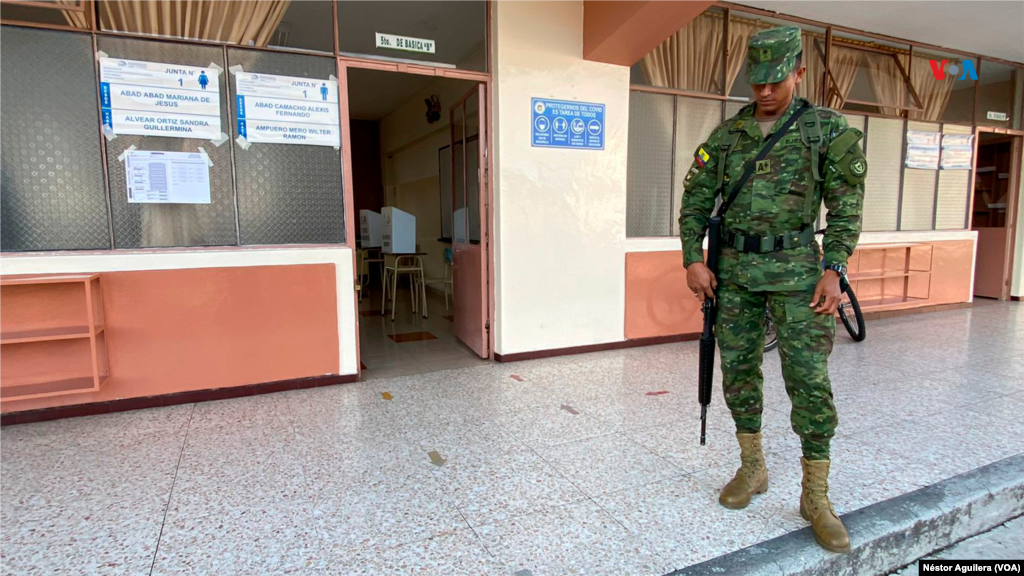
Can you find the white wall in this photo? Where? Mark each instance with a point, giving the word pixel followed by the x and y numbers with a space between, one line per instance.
pixel 560 214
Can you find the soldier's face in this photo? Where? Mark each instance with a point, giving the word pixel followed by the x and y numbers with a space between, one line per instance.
pixel 773 98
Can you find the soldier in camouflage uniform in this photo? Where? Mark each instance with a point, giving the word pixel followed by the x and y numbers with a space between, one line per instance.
pixel 769 258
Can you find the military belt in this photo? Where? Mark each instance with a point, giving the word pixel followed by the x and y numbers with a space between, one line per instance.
pixel 767 244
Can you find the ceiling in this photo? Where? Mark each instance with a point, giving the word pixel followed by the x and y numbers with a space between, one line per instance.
pixel 373 94
pixel 989 28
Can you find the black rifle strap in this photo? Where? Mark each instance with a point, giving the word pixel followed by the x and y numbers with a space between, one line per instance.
pixel 765 149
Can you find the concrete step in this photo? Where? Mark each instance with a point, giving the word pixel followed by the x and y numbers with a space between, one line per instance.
pixel 890 534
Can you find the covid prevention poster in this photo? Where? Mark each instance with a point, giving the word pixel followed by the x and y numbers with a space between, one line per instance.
pixel 287 110
pixel 155 99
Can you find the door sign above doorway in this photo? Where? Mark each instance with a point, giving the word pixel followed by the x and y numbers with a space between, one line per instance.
pixel 287 110
pixel 405 43
pixel 567 124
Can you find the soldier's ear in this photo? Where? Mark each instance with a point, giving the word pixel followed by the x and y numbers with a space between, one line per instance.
pixel 799 74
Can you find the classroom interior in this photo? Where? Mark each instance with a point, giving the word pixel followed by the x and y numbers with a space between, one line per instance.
pixel 402 139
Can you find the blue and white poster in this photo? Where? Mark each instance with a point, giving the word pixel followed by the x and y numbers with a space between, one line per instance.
pixel 154 99
pixel 287 110
pixel 566 124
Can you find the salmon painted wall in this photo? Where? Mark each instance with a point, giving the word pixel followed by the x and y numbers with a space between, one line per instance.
pixel 195 319
pixel 171 331
pixel 659 304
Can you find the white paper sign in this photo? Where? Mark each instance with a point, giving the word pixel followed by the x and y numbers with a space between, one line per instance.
pixel 167 177
pixel 287 110
pixel 923 150
pixel 957 151
pixel 154 99
pixel 405 43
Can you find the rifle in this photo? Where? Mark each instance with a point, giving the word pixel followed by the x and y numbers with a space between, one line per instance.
pixel 706 370
pixel 706 364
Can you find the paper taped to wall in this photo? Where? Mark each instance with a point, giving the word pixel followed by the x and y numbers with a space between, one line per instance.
pixel 157 177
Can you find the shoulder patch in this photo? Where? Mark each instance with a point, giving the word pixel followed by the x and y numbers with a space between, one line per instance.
pixel 701 156
pixel 858 167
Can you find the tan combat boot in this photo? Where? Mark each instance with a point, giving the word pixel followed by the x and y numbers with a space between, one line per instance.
pixel 816 508
pixel 751 477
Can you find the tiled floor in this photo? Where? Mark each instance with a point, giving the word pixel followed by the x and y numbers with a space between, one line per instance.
pixel 411 344
pixel 340 480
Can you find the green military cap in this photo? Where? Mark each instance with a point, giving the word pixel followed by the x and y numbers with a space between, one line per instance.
pixel 771 54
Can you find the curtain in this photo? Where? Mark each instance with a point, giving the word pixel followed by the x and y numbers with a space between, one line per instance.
pixel 687 60
pixel 844 65
pixel 76 19
pixel 934 93
pixel 886 81
pixel 810 86
pixel 249 23
pixel 740 31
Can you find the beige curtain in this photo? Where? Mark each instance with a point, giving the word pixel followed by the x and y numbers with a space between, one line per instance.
pixel 843 65
pixel 810 86
pixel 886 81
pixel 250 22
pixel 76 19
pixel 740 31
pixel 685 60
pixel 934 93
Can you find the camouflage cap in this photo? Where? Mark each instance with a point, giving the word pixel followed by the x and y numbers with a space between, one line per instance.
pixel 771 54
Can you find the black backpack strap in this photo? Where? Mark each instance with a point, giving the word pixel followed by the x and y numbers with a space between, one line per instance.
pixel 765 149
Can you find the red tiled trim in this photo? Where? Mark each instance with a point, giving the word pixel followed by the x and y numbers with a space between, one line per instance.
pixel 636 343
pixel 123 405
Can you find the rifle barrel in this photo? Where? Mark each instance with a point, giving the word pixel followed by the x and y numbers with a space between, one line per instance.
pixel 703 423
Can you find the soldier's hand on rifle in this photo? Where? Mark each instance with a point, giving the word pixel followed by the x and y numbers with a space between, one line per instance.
pixel 701 281
pixel 827 293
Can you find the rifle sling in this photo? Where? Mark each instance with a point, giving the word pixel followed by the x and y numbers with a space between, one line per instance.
pixel 765 149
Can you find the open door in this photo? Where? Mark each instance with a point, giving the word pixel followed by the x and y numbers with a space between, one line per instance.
pixel 995 196
pixel 469 239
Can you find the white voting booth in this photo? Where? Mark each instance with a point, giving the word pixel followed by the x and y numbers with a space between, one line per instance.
pixel 371 229
pixel 399 235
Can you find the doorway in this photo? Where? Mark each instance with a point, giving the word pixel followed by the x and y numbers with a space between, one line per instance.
pixel 414 147
pixel 996 188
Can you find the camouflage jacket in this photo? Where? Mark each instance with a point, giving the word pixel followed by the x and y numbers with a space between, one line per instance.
pixel 781 197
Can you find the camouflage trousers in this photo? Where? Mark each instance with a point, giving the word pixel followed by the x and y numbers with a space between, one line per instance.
pixel 805 342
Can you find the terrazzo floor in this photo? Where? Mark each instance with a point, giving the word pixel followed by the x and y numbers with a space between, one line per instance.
pixel 560 466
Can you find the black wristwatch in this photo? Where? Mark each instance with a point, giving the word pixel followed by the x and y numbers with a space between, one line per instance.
pixel 837 268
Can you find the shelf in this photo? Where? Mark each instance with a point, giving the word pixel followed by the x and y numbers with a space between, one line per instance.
pixel 65 311
pixel 57 279
pixel 890 246
pixel 46 334
pixel 892 301
pixel 49 388
pixel 883 275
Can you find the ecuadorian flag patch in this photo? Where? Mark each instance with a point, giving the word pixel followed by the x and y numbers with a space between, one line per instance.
pixel 701 157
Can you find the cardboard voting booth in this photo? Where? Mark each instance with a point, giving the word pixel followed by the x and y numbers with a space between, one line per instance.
pixel 399 235
pixel 371 228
